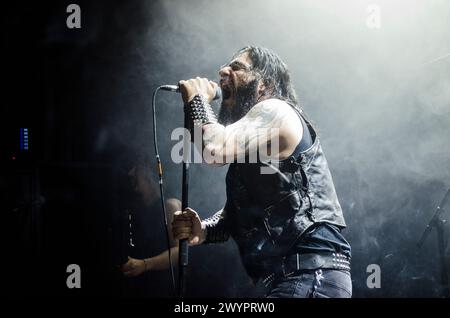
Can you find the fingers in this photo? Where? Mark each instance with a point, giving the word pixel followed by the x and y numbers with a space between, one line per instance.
pixel 188 212
pixel 182 225
pixel 185 215
pixel 193 240
pixel 199 85
pixel 182 230
pixel 180 215
pixel 129 274
pixel 214 84
pixel 128 265
pixel 181 233
pixel 130 268
pixel 195 81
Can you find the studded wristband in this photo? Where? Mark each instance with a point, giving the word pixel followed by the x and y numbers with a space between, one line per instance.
pixel 216 231
pixel 200 111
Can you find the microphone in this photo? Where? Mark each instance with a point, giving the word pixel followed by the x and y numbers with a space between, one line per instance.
pixel 176 89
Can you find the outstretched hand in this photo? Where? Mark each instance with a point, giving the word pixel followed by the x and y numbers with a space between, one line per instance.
pixel 133 267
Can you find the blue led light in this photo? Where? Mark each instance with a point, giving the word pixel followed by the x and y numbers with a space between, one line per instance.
pixel 24 139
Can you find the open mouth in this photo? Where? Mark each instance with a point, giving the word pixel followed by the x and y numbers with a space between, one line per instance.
pixel 226 92
pixel 227 88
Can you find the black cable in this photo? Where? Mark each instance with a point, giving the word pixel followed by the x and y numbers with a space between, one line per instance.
pixel 161 189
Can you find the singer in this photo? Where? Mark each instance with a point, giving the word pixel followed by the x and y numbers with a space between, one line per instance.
pixel 288 223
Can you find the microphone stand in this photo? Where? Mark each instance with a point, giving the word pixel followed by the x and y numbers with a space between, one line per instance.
pixel 183 258
pixel 439 223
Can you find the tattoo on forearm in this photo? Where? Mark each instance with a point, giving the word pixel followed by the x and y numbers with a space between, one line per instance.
pixel 260 126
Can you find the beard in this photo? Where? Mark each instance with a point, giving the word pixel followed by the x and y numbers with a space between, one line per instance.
pixel 245 98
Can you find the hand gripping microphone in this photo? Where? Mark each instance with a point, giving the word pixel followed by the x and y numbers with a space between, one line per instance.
pixel 176 89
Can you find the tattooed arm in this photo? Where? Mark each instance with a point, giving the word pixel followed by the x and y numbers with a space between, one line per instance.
pixel 269 122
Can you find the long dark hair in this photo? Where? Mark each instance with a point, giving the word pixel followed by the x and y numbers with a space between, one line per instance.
pixel 274 73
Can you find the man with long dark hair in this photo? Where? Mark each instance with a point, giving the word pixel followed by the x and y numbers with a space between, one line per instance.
pixel 283 213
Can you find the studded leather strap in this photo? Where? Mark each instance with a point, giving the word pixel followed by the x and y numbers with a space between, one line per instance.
pixel 200 111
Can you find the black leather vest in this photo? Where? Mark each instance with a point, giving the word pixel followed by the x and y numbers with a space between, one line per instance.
pixel 267 213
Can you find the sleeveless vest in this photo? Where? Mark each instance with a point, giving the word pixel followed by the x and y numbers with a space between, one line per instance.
pixel 268 213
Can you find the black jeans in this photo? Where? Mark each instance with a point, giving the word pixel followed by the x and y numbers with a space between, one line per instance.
pixel 321 283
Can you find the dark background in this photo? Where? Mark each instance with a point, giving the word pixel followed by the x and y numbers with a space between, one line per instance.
pixel 380 98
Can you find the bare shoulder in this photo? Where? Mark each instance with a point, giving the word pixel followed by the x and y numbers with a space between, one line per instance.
pixel 276 113
pixel 273 113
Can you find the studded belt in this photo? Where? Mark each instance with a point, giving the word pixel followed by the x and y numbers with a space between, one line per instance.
pixel 296 262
